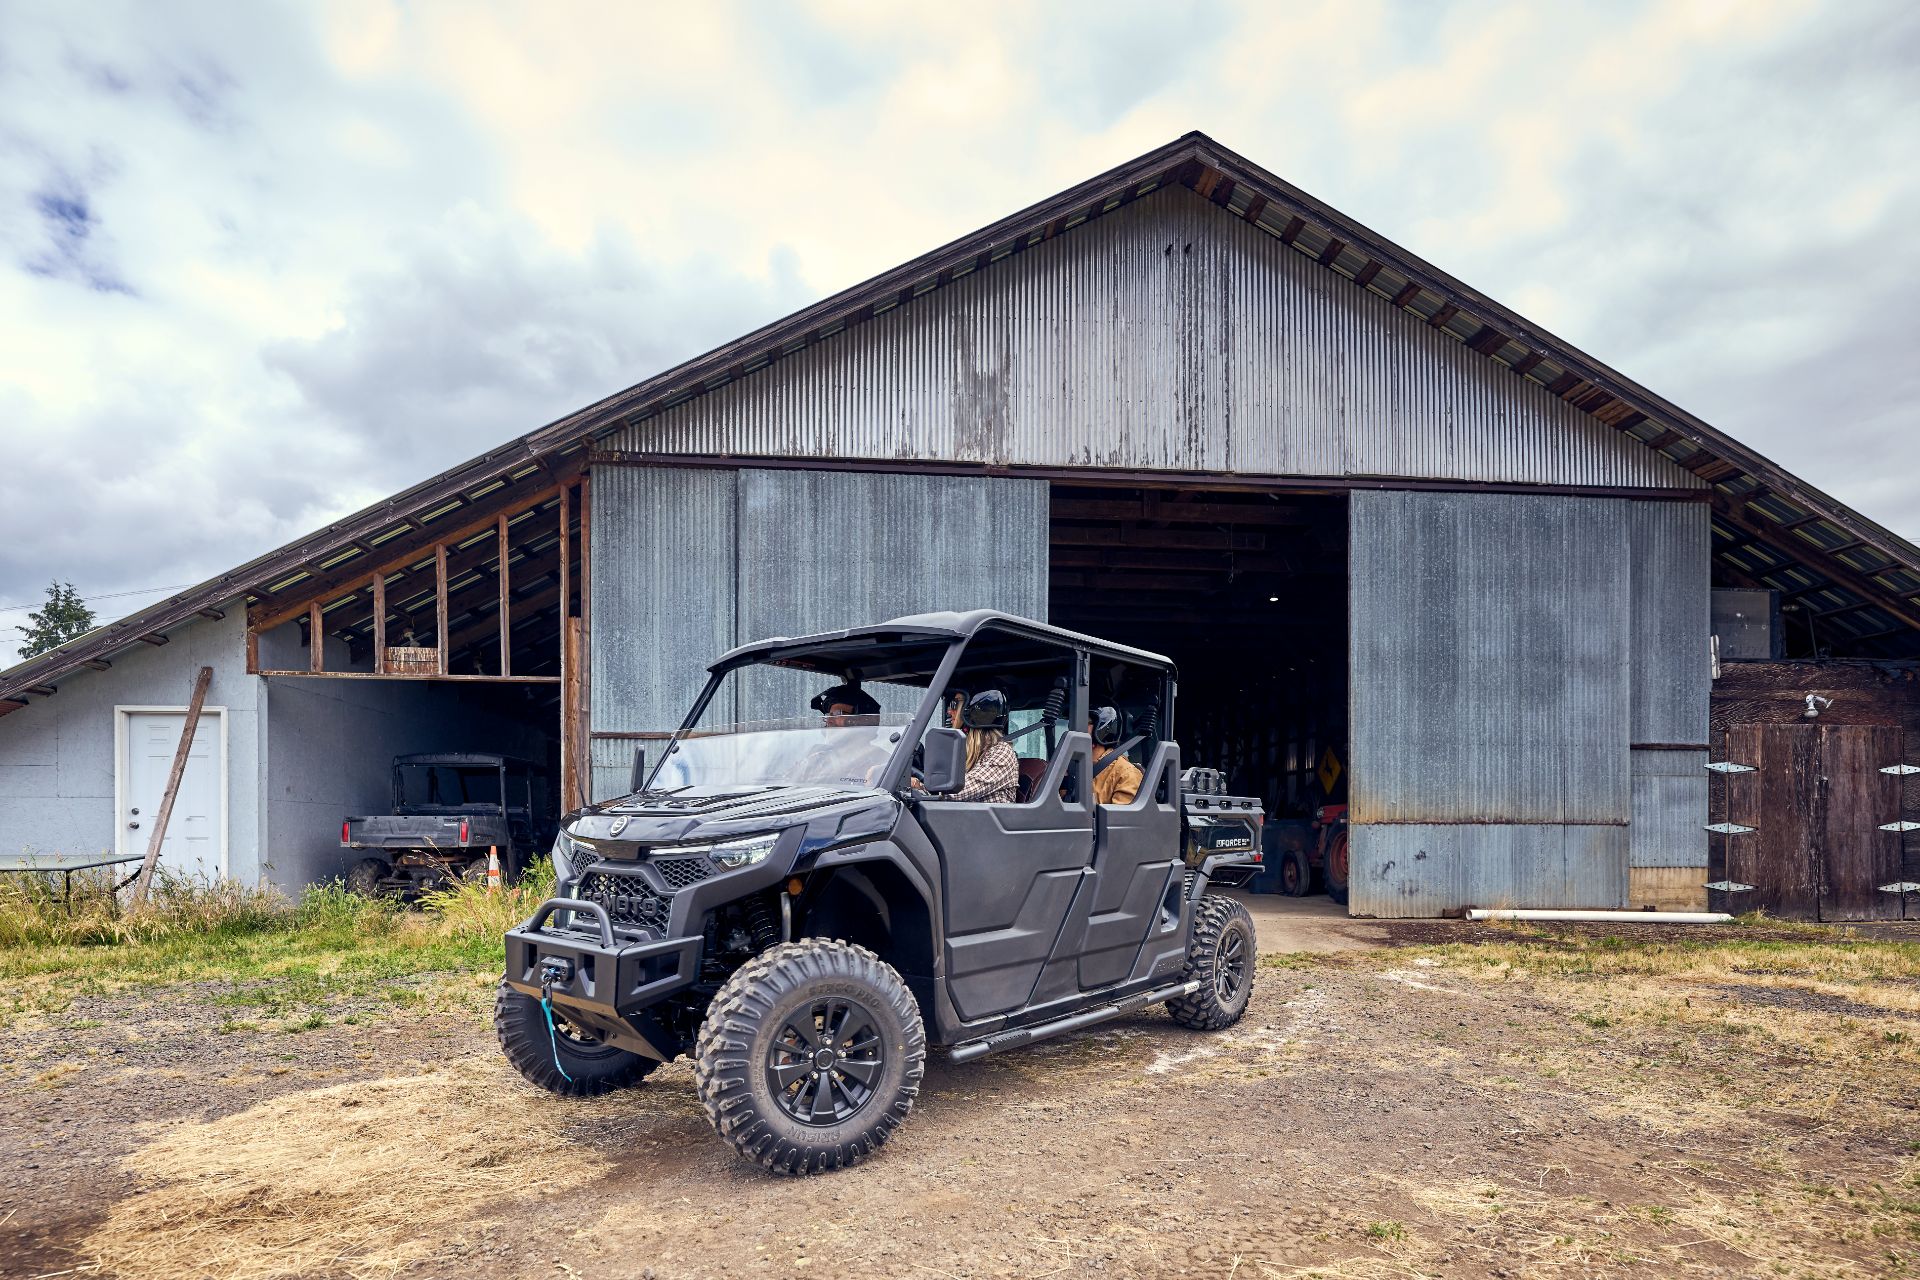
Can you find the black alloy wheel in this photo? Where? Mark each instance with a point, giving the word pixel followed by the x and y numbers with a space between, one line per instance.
pixel 825 1060
pixel 1221 955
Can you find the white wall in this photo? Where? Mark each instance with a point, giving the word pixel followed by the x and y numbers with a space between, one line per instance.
pixel 56 754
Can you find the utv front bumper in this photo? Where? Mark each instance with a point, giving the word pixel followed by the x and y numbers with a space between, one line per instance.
pixel 585 967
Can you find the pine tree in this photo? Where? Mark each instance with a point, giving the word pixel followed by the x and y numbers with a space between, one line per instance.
pixel 63 618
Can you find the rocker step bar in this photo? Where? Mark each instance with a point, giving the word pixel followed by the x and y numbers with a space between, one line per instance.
pixel 968 1050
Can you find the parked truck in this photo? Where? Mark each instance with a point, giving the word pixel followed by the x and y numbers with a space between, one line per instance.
pixel 450 810
pixel 803 906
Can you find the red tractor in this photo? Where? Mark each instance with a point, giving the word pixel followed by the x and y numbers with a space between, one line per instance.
pixel 1301 852
pixel 1330 853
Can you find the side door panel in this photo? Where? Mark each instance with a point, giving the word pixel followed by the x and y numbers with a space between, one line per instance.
pixel 1009 876
pixel 1119 907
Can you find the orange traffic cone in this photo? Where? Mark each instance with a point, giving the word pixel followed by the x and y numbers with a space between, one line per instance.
pixel 493 868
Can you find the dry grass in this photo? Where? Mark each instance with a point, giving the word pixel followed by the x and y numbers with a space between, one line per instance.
pixel 358 1179
pixel 35 909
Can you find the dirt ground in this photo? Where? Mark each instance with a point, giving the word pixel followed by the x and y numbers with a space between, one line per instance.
pixel 1389 1108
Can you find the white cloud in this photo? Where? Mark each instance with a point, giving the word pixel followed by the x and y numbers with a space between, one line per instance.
pixel 260 265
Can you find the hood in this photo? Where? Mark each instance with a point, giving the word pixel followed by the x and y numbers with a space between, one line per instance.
pixel 717 813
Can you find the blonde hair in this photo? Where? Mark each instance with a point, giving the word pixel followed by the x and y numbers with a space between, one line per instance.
pixel 979 742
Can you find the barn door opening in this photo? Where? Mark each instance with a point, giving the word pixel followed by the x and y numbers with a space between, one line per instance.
pixel 1817 802
pixel 1247 592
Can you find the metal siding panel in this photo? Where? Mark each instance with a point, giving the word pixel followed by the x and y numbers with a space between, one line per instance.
pixel 612 764
pixel 1167 335
pixel 663 591
pixel 1672 618
pixel 1669 809
pixel 1489 658
pixel 1402 870
pixel 921 543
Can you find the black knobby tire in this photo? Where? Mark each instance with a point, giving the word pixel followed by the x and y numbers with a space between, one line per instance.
pixel 596 1068
pixel 364 876
pixel 810 1056
pixel 1221 956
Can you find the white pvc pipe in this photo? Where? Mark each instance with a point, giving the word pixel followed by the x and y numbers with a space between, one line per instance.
pixel 1605 917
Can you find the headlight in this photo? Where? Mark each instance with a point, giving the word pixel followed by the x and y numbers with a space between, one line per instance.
pixel 567 853
pixel 731 854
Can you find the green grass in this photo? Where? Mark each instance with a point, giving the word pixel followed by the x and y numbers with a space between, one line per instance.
pixel 276 960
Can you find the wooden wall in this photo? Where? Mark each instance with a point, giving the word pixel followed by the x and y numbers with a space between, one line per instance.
pixel 1776 693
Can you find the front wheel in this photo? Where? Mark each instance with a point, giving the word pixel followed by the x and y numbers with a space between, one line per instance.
pixel 565 1059
pixel 1337 867
pixel 1220 956
pixel 366 876
pixel 810 1056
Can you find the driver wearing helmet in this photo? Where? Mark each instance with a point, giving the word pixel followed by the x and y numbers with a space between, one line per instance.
pixel 993 770
pixel 843 757
pixel 1116 779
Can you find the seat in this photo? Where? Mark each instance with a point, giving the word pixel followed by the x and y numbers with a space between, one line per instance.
pixel 1031 771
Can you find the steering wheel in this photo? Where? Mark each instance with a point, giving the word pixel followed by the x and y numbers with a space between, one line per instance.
pixel 916 763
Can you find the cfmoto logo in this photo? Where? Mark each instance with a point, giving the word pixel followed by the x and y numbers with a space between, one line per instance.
pixel 619 825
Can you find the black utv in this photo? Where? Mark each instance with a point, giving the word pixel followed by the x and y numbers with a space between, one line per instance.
pixel 806 903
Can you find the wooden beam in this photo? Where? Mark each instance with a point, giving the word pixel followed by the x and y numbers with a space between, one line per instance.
pixel 180 754
pixel 316 638
pixel 583 646
pixel 1407 294
pixel 1833 571
pixel 284 609
pixel 98 664
pixel 10 704
pixel 43 690
pixel 1332 251
pixel 440 600
pixel 1527 363
pixel 375 675
pixel 1446 312
pixel 506 606
pixel 154 638
pixel 1255 207
pixel 1367 273
pixel 253 651
pixel 1295 225
pixel 568 747
pixel 213 615
pixel 380 621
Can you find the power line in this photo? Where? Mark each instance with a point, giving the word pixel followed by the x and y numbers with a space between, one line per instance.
pixel 111 595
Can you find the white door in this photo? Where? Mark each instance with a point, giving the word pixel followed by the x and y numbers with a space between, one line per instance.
pixel 196 833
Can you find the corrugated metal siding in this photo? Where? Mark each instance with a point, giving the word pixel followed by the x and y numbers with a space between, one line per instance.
pixel 1166 335
pixel 1490 647
pixel 663 591
pixel 1403 870
pixel 688 563
pixel 1670 809
pixel 1489 658
pixel 1672 618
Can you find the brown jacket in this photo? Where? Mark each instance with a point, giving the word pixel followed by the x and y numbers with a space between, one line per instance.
pixel 1118 783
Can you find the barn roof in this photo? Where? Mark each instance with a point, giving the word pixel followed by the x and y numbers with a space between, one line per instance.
pixel 1770 528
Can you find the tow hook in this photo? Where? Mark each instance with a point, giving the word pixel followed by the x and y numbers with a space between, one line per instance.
pixel 554 971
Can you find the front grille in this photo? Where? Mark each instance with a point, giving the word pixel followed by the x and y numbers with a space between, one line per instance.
pixel 628 899
pixel 682 871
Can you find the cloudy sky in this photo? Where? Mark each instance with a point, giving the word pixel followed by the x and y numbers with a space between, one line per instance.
pixel 264 263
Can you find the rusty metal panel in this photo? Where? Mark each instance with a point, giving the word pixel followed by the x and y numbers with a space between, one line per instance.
pixel 820 550
pixel 1412 870
pixel 1490 658
pixel 1168 335
pixel 663 591
pixel 1671 561
pixel 1670 809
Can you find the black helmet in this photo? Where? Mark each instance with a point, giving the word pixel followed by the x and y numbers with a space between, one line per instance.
pixel 1106 726
pixel 846 695
pixel 986 709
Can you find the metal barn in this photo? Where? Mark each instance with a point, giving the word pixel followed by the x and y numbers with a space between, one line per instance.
pixel 1409 551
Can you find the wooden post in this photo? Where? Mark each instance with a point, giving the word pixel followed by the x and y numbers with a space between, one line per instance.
pixel 180 753
pixel 506 607
pixel 316 638
pixel 253 651
pixel 583 648
pixel 440 600
pixel 567 705
pixel 380 622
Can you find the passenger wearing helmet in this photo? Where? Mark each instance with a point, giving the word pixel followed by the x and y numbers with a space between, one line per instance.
pixel 993 770
pixel 1116 779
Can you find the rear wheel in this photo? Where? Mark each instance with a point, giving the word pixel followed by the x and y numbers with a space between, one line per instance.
pixel 1221 957
pixel 1337 867
pixel 1296 878
pixel 364 876
pixel 568 1060
pixel 810 1057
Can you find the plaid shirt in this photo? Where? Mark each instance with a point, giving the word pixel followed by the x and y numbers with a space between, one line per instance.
pixel 994 778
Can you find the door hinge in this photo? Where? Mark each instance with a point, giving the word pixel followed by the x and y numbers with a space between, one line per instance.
pixel 1728 828
pixel 1901 770
pixel 1902 825
pixel 1900 886
pixel 1730 886
pixel 1728 766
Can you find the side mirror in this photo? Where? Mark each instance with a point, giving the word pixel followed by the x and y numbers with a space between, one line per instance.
pixel 943 770
pixel 639 778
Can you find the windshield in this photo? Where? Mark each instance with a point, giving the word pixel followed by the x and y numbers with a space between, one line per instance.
pixel 800 751
pixel 447 786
